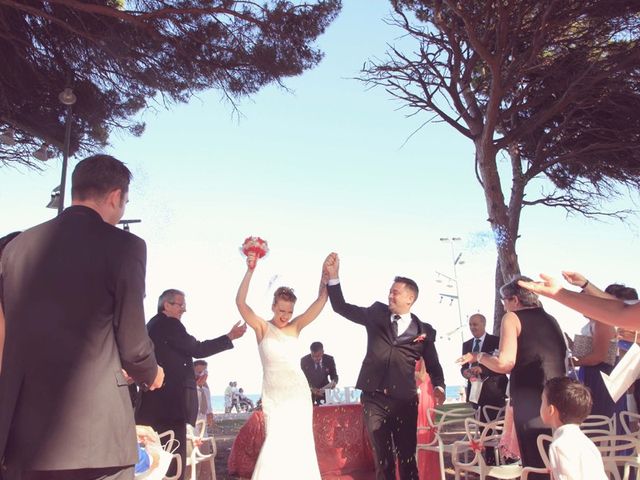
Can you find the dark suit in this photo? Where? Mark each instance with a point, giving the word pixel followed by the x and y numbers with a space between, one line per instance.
pixel 176 403
pixel 72 291
pixel 319 377
pixel 494 387
pixel 387 381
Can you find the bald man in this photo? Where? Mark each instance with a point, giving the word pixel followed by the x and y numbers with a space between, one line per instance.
pixel 494 384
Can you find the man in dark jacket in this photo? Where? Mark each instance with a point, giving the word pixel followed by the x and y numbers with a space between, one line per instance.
pixel 72 292
pixel 494 385
pixel 176 404
pixel 396 339
pixel 320 370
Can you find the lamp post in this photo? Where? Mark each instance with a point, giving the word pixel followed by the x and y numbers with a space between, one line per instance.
pixel 68 98
pixel 456 261
pixel 125 223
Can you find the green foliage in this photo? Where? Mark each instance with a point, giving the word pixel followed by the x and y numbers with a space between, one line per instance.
pixel 119 55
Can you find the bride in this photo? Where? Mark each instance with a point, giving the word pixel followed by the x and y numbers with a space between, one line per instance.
pixel 288 452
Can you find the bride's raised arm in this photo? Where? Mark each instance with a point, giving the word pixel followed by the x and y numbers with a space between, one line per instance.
pixel 254 321
pixel 316 307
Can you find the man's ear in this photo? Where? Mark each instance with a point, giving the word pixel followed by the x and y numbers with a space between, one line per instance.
pixel 115 198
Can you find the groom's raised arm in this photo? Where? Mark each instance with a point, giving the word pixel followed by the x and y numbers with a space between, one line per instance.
pixel 350 312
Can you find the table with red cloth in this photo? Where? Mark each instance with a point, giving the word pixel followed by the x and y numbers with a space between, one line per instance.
pixel 342 445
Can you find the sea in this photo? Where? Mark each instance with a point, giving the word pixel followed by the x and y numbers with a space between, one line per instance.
pixel 217 401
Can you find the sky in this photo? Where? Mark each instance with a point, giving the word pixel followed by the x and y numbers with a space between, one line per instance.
pixel 326 165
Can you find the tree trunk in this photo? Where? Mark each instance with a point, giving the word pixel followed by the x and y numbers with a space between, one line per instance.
pixel 498 307
pixel 503 226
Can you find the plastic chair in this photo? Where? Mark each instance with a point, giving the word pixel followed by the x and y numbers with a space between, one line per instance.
pixel 170 445
pixel 596 425
pixel 543 447
pixel 615 454
pixel 479 436
pixel 491 413
pixel 627 419
pixel 449 427
pixel 197 436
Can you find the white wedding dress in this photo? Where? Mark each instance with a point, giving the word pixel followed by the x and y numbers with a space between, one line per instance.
pixel 288 452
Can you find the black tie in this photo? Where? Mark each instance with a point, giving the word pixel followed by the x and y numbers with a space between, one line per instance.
pixel 394 324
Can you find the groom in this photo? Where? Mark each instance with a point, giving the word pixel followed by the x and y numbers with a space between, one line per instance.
pixel 396 339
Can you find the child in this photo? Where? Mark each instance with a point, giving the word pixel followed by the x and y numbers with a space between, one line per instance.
pixel 565 405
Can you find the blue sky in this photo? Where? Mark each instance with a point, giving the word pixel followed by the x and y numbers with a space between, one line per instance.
pixel 323 167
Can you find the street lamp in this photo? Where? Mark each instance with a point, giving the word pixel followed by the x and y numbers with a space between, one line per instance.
pixel 125 223
pixel 68 98
pixel 455 260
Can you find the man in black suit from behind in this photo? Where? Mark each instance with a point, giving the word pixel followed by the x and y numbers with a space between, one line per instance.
pixel 176 404
pixel 494 384
pixel 72 293
pixel 396 339
pixel 320 370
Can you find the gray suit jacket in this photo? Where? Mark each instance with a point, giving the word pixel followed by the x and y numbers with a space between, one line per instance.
pixel 72 290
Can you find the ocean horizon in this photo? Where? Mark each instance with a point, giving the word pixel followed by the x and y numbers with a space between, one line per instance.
pixel 217 401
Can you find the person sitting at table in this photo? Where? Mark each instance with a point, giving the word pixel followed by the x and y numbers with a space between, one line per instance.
pixel 320 370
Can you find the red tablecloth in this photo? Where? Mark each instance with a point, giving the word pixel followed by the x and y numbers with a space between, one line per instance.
pixel 342 446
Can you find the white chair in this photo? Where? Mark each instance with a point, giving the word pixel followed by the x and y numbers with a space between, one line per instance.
pixel 629 422
pixel 197 436
pixel 448 427
pixel 615 454
pixel 595 425
pixel 489 413
pixel 542 442
pixel 481 435
pixel 170 444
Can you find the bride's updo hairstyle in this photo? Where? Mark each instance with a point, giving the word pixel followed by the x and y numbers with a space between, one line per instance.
pixel 284 293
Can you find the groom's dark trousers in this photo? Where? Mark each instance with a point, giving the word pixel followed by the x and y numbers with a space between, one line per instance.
pixel 387 381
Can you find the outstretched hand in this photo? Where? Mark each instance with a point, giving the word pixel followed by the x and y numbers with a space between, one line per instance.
pixel 331 265
pixel 574 278
pixel 548 287
pixel 237 330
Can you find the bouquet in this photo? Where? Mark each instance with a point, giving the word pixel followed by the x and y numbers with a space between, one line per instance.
pixel 254 246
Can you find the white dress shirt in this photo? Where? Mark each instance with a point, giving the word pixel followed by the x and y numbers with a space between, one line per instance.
pixel 573 456
pixel 403 322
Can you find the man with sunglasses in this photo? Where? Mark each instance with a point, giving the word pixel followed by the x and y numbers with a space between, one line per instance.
pixel 176 404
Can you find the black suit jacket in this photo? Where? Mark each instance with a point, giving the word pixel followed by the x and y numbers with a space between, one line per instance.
pixel 319 378
pixel 72 291
pixel 177 400
pixel 495 384
pixel 390 362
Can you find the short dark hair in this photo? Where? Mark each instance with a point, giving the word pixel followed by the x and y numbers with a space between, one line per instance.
pixel 316 346
pixel 571 398
pixel 408 283
pixel 197 363
pixel 622 292
pixel 284 293
pixel 513 289
pixel 97 175
pixel 167 296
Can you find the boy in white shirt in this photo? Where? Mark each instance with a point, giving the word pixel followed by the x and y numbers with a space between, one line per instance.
pixel 565 405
